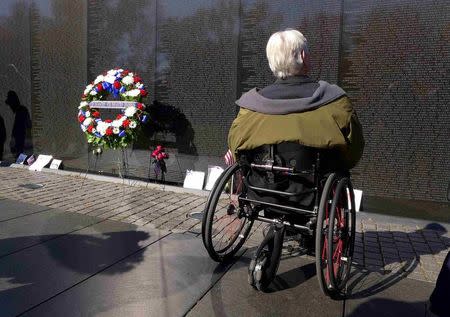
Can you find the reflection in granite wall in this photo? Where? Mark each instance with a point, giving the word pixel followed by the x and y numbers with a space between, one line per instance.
pixel 14 64
pixel 395 68
pixel 196 77
pixel 319 21
pixel 196 71
pixel 58 74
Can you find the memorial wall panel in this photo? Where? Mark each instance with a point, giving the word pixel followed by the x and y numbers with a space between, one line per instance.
pixel 58 73
pixel 122 34
pixel 197 57
pixel 196 79
pixel 395 68
pixel 14 65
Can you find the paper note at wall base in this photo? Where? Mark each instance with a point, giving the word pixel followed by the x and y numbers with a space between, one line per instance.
pixel 55 164
pixel 214 173
pixel 40 163
pixel 194 179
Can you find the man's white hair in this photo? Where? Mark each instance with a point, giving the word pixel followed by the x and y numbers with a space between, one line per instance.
pixel 284 50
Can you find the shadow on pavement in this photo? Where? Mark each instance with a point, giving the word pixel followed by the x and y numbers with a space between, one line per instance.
pixel 389 308
pixel 397 266
pixel 69 257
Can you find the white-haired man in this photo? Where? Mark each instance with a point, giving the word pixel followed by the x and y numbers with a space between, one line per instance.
pixel 297 108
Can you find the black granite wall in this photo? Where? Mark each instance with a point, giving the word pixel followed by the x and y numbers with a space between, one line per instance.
pixel 197 57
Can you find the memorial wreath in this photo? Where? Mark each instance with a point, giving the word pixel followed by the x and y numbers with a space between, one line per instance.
pixel 120 132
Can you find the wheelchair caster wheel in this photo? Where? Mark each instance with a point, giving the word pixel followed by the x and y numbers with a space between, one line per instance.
pixel 257 272
pixel 263 267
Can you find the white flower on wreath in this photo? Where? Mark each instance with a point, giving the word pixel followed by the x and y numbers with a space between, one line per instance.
pixel 87 114
pixel 112 72
pixel 130 111
pixel 93 92
pixel 101 127
pixel 128 80
pixel 88 89
pixel 87 122
pixel 133 93
pixel 116 123
pixel 140 86
pixel 110 79
pixel 116 130
pixel 83 104
pixel 133 124
pixel 98 79
pixel 83 128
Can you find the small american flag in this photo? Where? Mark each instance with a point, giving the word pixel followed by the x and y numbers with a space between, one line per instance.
pixel 229 159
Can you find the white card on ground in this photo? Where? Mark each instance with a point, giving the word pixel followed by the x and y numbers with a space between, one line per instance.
pixel 55 164
pixel 358 197
pixel 214 173
pixel 194 179
pixel 41 161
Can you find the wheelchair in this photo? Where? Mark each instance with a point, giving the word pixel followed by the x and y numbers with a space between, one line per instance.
pixel 298 191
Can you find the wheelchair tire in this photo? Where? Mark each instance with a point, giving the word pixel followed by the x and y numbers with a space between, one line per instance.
pixel 264 265
pixel 341 235
pixel 321 245
pixel 225 218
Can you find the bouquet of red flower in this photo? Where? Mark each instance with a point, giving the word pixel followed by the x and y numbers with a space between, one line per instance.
pixel 159 156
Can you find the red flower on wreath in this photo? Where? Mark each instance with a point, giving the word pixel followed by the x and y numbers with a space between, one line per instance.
pixel 126 123
pixel 90 128
pixel 140 106
pixel 108 120
pixel 109 131
pixel 99 87
pixel 81 118
pixel 143 93
pixel 96 114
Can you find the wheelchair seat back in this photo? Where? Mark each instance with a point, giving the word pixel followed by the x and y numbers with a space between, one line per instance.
pixel 301 183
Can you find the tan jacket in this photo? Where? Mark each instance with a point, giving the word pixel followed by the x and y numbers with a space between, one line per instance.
pixel 332 126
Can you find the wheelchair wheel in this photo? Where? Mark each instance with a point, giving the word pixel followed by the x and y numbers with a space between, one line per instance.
pixel 264 265
pixel 341 234
pixel 335 235
pixel 225 224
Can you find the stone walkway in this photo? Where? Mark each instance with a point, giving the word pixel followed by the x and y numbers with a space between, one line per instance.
pixel 383 246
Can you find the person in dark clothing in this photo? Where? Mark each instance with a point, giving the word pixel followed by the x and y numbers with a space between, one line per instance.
pixel 440 298
pixel 2 137
pixel 22 123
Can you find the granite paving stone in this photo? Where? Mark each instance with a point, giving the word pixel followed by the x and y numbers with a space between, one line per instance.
pixel 386 245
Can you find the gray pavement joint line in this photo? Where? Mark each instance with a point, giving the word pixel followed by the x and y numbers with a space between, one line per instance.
pixel 57 236
pixel 21 216
pixel 157 205
pixel 101 205
pixel 171 211
pixel 122 205
pixel 20 181
pixel 211 286
pixel 77 199
pixel 143 202
pixel 177 215
pixel 92 275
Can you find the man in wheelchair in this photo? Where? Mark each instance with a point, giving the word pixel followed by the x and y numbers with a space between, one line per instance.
pixel 295 141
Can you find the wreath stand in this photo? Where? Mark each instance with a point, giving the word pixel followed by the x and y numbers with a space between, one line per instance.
pixel 122 159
